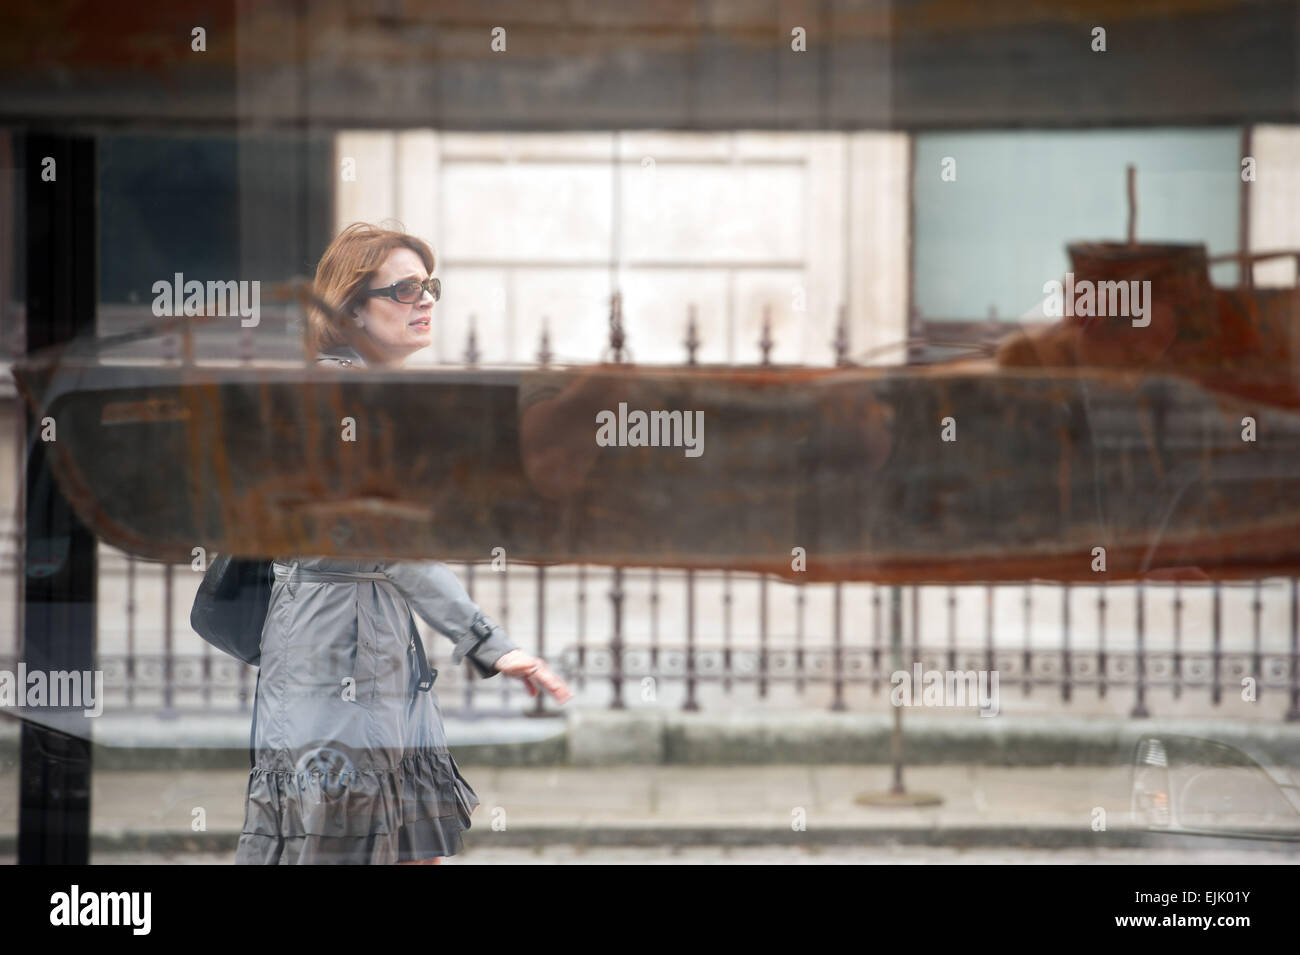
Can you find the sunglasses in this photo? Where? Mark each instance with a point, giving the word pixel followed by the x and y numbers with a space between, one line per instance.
pixel 409 291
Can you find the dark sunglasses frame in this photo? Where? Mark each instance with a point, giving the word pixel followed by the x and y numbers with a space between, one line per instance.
pixel 432 285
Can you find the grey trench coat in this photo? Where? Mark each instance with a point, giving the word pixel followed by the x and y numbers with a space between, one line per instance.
pixel 350 759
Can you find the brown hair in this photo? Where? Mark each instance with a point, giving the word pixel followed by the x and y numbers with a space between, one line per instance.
pixel 346 269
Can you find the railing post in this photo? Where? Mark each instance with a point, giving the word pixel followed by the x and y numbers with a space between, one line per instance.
pixel 654 621
pixel 762 637
pixel 916 625
pixel 1293 714
pixel 538 709
pixel 130 630
pixel 618 351
pixel 472 353
pixel 1257 661
pixel 1178 640
pixel 618 354
pixel 837 703
pixel 1101 642
pixel 726 632
pixel 1140 706
pixel 207 673
pixel 1216 632
pixel 692 341
pixel 877 676
pixel 990 658
pixel 504 591
pixel 952 627
pixel 691 704
pixel 896 652
pixel 765 342
pixel 841 342
pixel 800 605
pixel 582 626
pixel 1028 662
pixel 168 708
pixel 544 354
pixel 1065 643
pixel 616 641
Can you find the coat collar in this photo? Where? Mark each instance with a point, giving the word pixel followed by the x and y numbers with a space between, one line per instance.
pixel 341 353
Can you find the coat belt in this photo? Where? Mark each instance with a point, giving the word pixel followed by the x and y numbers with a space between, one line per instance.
pixel 297 573
pixel 427 675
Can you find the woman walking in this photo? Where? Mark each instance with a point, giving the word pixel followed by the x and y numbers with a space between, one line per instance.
pixel 351 761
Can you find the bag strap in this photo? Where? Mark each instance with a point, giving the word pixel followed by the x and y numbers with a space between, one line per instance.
pixel 427 674
pixel 252 730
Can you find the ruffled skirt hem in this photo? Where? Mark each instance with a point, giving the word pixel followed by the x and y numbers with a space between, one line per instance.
pixel 424 839
pixel 414 812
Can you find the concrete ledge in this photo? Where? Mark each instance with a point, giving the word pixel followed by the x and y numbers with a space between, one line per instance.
pixel 645 736
pixel 221 741
pixel 600 737
pixel 605 737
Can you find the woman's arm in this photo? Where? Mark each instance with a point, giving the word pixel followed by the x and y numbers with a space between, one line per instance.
pixel 435 593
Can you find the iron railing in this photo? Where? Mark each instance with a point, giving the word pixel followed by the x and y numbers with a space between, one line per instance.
pixel 1031 634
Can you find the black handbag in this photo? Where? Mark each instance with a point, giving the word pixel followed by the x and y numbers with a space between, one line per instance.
pixel 230 606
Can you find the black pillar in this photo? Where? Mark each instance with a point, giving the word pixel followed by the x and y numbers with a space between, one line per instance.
pixel 59 592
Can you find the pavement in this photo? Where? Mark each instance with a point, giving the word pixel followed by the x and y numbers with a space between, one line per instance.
pixel 653 784
pixel 793 806
pixel 774 855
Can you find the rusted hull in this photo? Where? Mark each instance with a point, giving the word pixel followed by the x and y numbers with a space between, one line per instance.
pixel 849 466
pixel 1239 341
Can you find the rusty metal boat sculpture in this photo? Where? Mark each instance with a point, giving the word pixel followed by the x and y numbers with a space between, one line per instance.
pixel 1166 450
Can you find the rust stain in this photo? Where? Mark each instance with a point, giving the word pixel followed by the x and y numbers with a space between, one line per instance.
pixel 148 410
pixel 1236 342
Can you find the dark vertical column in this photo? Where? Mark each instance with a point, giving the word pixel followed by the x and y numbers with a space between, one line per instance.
pixel 59 589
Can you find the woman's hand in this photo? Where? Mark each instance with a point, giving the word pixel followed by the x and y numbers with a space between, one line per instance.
pixel 534 672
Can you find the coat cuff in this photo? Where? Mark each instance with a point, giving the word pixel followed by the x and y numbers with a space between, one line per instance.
pixel 482 644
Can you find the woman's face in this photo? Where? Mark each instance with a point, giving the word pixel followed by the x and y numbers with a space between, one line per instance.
pixel 396 330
